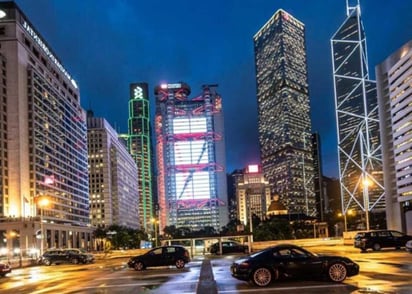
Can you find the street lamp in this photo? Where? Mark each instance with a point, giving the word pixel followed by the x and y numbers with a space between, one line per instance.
pixel 155 222
pixel 345 220
pixel 366 184
pixel 42 202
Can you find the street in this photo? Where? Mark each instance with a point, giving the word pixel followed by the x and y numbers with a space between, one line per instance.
pixel 387 271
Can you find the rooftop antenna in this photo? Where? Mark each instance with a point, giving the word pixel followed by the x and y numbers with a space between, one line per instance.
pixel 350 8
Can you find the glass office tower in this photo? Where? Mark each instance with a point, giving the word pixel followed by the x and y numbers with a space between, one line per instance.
pixel 283 112
pixel 190 158
pixel 359 146
pixel 139 144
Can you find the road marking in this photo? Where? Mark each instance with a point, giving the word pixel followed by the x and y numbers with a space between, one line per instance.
pixel 266 289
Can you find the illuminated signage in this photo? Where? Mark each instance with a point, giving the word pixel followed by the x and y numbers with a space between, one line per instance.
pixel 138 93
pixel 253 168
pixel 171 86
pixel 47 51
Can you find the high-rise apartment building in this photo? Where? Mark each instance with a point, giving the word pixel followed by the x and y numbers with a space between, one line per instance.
pixel 283 112
pixel 139 144
pixel 43 141
pixel 114 195
pixel 359 146
pixel 190 157
pixel 394 87
pixel 253 195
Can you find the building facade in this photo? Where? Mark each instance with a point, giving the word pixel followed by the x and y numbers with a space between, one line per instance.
pixel 114 193
pixel 43 142
pixel 318 177
pixel 139 144
pixel 253 195
pixel 359 145
pixel 190 148
pixel 284 112
pixel 394 87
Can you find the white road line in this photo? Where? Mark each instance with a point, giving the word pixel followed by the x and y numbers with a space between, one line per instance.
pixel 266 289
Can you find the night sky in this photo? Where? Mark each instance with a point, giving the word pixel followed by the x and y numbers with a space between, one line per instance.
pixel 106 45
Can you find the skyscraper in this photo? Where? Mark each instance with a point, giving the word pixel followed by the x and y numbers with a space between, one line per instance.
pixel 43 140
pixel 359 146
pixel 114 196
pixel 139 144
pixel 283 112
pixel 190 157
pixel 394 80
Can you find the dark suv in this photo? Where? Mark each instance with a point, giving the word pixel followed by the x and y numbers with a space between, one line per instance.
pixel 376 240
pixel 58 256
pixel 160 256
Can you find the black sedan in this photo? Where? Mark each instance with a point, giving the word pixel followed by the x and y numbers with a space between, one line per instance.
pixel 284 261
pixel 228 247
pixel 161 256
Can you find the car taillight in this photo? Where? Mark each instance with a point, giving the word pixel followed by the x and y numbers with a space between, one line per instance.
pixel 364 239
pixel 186 253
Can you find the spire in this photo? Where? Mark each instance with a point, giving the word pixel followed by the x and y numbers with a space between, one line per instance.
pixel 350 8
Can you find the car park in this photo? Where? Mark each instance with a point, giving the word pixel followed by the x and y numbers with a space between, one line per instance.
pixel 290 261
pixel 378 239
pixel 228 247
pixel 161 256
pixel 4 269
pixel 59 256
pixel 408 246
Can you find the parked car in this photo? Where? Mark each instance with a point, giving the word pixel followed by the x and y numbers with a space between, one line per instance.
pixel 160 256
pixel 290 261
pixel 408 246
pixel 76 251
pixel 376 240
pixel 4 269
pixel 228 247
pixel 58 256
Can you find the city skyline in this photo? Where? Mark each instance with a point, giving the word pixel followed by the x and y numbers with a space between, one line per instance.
pixel 126 41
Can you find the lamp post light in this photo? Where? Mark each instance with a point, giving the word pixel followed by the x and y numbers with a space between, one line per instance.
pixel 43 202
pixel 155 222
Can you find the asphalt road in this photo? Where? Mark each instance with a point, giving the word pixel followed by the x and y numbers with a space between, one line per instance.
pixel 387 271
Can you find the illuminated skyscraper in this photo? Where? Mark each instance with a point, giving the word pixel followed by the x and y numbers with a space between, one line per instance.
pixel 394 80
pixel 283 112
pixel 190 158
pixel 43 139
pixel 139 144
pixel 359 146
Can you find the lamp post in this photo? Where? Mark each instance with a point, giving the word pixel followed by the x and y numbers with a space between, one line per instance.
pixel 154 221
pixel 366 184
pixel 43 201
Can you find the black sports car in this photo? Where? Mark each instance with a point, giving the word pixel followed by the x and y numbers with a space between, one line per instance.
pixel 286 260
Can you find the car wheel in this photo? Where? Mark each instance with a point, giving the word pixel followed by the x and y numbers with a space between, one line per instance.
pixel 262 277
pixel 337 272
pixel 139 266
pixel 74 261
pixel 180 263
pixel 46 262
pixel 376 247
